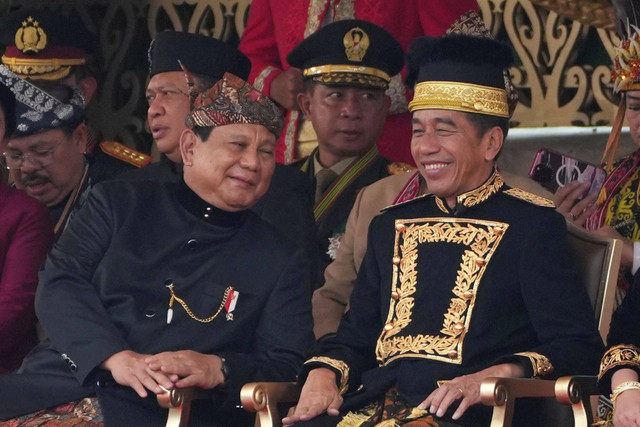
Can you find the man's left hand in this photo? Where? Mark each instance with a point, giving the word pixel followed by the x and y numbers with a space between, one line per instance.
pixel 192 368
pixel 465 389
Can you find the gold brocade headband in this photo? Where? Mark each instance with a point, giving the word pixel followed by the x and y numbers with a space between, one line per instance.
pixel 330 69
pixel 467 97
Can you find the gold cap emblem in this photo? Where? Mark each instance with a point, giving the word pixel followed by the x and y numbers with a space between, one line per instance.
pixel 30 37
pixel 356 43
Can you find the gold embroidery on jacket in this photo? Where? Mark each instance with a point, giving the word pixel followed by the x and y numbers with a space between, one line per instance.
pixel 620 355
pixel 482 193
pixel 540 363
pixel 396 92
pixel 316 7
pixel 518 193
pixel 258 83
pixel 480 238
pixel 441 205
pixel 290 136
pixel 345 9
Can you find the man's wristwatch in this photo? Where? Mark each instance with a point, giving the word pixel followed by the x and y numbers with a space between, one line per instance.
pixel 224 368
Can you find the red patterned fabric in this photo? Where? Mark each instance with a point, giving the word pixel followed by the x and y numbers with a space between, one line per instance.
pixel 275 27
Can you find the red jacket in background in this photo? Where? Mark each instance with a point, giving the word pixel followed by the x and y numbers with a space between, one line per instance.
pixel 26 233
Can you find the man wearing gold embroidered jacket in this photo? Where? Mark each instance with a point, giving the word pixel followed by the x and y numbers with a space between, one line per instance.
pixel 471 281
pixel 167 285
pixel 347 66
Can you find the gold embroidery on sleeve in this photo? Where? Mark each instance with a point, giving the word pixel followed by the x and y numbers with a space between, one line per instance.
pixel 339 365
pixel 541 365
pixel 620 355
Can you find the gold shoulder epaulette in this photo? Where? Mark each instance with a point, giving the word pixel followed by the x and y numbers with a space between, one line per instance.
pixel 530 197
pixel 396 168
pixel 124 153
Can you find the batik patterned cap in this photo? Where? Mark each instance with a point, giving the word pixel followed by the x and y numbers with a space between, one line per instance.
pixel 37 110
pixel 233 101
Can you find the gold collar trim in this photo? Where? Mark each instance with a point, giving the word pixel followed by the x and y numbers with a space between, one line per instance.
pixel 477 195
pixel 458 96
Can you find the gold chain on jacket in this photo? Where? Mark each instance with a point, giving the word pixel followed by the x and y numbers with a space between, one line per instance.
pixel 188 310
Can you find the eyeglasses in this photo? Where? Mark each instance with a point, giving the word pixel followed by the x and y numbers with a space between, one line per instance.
pixel 14 159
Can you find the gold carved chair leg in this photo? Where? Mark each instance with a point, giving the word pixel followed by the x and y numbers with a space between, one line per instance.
pixel 178 401
pixel 264 398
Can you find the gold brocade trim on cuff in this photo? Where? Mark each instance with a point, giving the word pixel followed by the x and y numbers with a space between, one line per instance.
pixel 338 365
pixel 620 355
pixel 258 83
pixel 540 363
pixel 530 197
pixel 459 96
pixel 480 239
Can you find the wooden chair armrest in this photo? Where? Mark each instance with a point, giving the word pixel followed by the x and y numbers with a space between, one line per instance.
pixel 264 398
pixel 502 392
pixel 576 392
pixel 178 401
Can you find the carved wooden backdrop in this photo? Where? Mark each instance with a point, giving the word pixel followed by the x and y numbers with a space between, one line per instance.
pixel 562 72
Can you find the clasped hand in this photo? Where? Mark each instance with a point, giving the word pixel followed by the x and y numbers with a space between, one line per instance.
pixel 165 371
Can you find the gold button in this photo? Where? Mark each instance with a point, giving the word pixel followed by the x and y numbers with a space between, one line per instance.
pixel 498 230
pixel 395 295
pixel 453 354
pixel 396 260
pixel 468 294
pixel 480 262
pixel 401 227
pixel 459 326
pixel 388 326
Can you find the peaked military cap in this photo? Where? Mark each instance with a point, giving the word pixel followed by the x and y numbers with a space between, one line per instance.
pixel 38 110
pixel 43 44
pixel 350 52
pixel 199 54
pixel 459 72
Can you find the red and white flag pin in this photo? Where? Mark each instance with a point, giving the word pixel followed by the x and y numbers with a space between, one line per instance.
pixel 230 305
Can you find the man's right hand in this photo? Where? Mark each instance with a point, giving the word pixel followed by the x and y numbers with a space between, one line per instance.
pixel 319 394
pixel 285 88
pixel 129 368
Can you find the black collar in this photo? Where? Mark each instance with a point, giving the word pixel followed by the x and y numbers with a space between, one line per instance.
pixel 205 211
